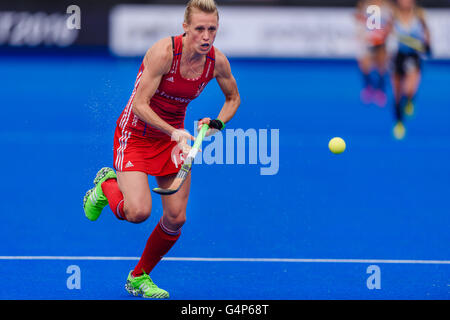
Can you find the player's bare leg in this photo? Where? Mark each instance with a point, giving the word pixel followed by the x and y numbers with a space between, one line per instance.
pixel 411 85
pixel 174 205
pixel 137 197
pixel 365 66
pixel 399 130
pixel 161 240
pixel 380 57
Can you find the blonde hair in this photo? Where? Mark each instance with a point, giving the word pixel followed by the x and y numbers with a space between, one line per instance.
pixel 207 6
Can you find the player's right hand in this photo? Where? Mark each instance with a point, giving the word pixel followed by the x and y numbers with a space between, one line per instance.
pixel 181 137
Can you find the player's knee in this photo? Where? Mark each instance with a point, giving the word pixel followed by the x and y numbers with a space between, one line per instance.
pixel 178 222
pixel 410 91
pixel 138 214
pixel 175 220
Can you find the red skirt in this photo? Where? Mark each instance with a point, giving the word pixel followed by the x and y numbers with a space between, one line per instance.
pixel 154 156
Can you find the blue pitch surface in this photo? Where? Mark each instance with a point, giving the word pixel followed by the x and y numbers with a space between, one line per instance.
pixel 381 199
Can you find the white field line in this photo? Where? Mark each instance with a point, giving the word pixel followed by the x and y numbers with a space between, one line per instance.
pixel 198 259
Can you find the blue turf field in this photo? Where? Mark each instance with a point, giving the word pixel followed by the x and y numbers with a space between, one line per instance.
pixel 382 199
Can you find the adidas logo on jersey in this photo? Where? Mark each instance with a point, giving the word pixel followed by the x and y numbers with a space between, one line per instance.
pixel 170 79
pixel 129 164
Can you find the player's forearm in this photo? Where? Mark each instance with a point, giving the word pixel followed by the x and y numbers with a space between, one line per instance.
pixel 229 108
pixel 146 114
pixel 427 36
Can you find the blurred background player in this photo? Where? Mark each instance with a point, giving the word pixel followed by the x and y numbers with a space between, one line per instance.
pixel 413 38
pixel 174 71
pixel 372 57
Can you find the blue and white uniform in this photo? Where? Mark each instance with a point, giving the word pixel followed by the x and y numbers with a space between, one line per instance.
pixel 408 56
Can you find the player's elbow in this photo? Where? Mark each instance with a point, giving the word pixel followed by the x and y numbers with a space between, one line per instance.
pixel 234 99
pixel 137 107
pixel 238 100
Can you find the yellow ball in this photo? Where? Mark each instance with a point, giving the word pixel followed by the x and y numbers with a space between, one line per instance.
pixel 336 145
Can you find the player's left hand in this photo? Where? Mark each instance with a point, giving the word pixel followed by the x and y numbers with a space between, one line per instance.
pixel 201 122
pixel 212 123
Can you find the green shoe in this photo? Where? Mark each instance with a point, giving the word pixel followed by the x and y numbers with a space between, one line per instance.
pixel 409 109
pixel 399 131
pixel 144 286
pixel 94 200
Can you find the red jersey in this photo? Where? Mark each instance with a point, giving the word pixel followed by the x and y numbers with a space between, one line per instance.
pixel 171 98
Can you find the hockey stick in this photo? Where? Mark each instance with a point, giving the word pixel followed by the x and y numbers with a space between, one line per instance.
pixel 186 167
pixel 414 43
